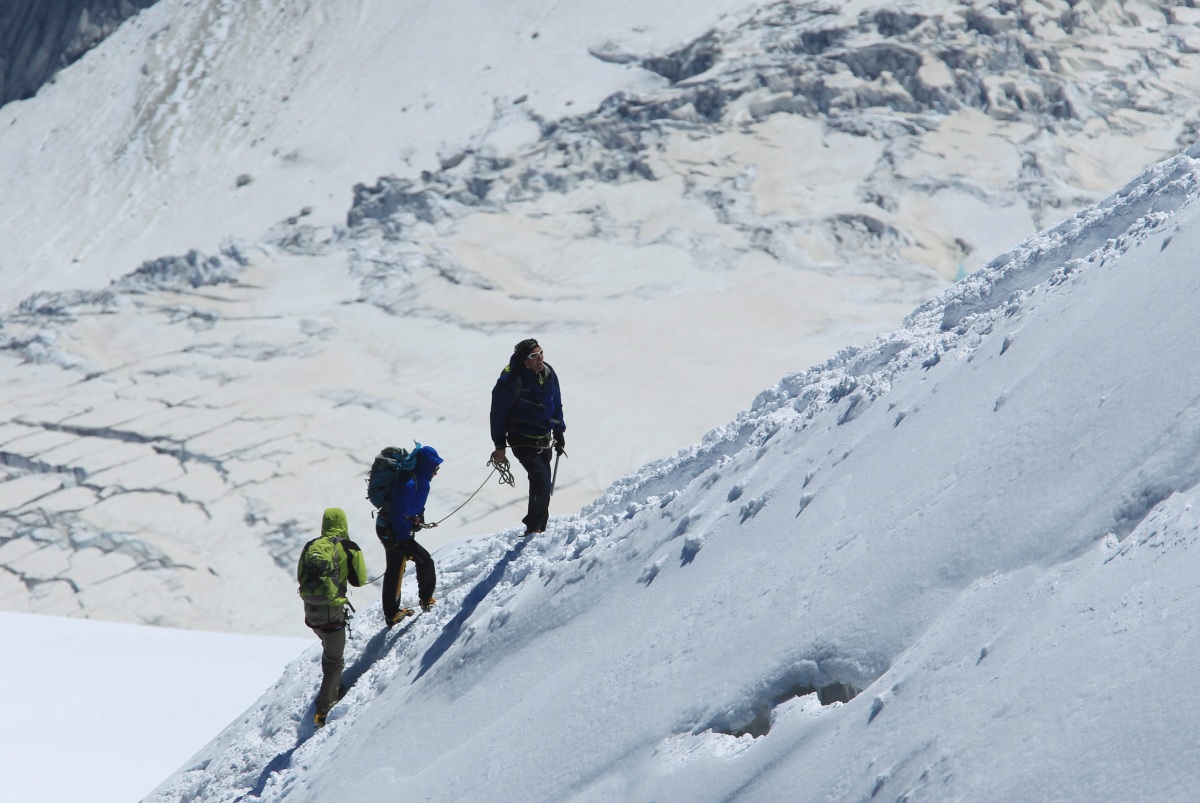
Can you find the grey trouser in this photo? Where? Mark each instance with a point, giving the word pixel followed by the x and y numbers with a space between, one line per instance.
pixel 329 623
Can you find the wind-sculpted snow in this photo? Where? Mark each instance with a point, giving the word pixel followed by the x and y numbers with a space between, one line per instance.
pixel 889 575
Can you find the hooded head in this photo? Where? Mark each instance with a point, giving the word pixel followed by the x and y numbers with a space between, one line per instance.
pixel 427 462
pixel 333 523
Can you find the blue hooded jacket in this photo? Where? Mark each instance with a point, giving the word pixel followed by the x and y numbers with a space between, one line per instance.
pixel 408 498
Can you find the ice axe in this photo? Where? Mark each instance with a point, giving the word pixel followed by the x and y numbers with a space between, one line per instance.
pixel 554 474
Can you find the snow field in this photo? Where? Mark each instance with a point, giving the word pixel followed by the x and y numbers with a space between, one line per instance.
pixel 98 711
pixel 959 538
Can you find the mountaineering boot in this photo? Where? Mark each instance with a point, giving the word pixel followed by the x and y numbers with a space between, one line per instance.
pixel 401 614
pixel 428 603
pixel 319 719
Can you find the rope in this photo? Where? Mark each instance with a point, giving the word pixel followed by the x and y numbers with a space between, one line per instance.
pixel 506 476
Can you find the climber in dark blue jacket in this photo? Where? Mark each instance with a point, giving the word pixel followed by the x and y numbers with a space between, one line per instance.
pixel 527 415
pixel 396 526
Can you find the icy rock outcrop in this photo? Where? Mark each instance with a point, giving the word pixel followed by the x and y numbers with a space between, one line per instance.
pixel 893 75
pixel 40 37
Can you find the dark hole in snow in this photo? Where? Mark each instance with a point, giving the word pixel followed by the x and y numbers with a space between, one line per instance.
pixel 687 62
pixel 760 724
pixel 892 22
pixel 1137 506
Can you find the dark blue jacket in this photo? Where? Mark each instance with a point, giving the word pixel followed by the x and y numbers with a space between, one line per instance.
pixel 525 404
pixel 408 498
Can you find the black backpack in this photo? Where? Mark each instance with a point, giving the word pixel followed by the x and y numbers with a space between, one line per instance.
pixel 392 465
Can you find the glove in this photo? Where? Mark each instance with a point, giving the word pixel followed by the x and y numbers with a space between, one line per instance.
pixel 560 443
pixel 499 456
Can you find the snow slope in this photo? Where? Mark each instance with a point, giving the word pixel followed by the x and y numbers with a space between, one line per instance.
pixel 984 521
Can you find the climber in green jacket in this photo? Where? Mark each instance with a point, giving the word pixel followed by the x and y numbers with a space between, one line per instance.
pixel 327 565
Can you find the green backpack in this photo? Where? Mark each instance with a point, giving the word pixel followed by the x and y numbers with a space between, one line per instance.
pixel 320 572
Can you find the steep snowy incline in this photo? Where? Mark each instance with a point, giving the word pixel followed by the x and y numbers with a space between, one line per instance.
pixel 985 522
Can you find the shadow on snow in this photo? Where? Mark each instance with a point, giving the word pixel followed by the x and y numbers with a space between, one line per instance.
pixel 452 629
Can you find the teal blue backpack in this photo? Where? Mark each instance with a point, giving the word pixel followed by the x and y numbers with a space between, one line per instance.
pixel 392 465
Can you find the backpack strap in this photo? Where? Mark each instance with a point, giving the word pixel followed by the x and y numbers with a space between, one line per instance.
pixel 300 563
pixel 351 572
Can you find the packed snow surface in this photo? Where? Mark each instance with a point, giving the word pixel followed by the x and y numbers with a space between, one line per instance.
pixel 979 529
pixel 99 711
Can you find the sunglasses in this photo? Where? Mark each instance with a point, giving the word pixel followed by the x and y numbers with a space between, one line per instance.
pixel 535 355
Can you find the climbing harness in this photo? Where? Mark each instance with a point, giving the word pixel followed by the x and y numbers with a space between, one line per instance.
pixel 539 442
pixel 347 614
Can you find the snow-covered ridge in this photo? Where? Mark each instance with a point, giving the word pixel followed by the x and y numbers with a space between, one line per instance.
pixel 929 519
pixel 951 326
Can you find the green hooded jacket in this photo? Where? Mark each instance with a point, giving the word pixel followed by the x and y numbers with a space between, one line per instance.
pixel 352 569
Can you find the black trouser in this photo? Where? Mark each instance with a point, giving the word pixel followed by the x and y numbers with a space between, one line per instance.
pixel 408 549
pixel 537 466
